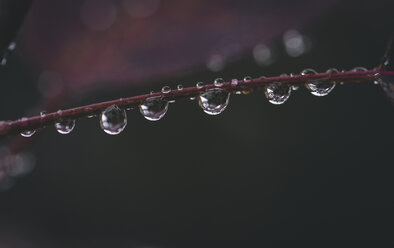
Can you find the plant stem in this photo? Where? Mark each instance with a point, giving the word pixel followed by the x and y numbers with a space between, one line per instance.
pixel 36 122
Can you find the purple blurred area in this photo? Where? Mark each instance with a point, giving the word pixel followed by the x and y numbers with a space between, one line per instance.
pixel 129 42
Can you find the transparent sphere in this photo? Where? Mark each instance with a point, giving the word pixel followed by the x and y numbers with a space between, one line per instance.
pixel 277 93
pixel 218 82
pixel 113 120
pixel 65 126
pixel 214 101
pixel 319 88
pixel 28 133
pixel 154 108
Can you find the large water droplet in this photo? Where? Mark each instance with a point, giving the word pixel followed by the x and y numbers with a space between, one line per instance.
pixel 218 82
pixel 319 88
pixel 277 93
pixel 180 87
pixel 65 126
pixel 28 133
pixel 113 120
pixel 43 113
pixel 214 101
pixel 154 108
pixel 166 89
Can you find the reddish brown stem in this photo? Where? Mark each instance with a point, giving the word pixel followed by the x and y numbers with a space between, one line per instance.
pixel 36 122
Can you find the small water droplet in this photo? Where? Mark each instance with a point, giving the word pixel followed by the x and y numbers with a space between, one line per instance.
pixel 28 133
pixel 238 92
pixel 214 101
pixel 113 120
pixel 43 113
pixel 151 92
pixel 180 87
pixel 166 89
pixel 154 108
pixel 247 79
pixel 218 82
pixel 318 88
pixel 234 82
pixel 65 126
pixel 359 69
pixel 192 98
pixel 171 101
pixel 277 93
pixel 200 85
pixel 376 82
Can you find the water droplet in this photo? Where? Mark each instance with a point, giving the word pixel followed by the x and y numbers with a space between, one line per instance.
pixel 43 113
pixel 192 98
pixel 238 92
pixel 28 133
pixel 154 108
pixel 218 82
pixel 180 87
pixel 277 93
pixel 318 88
pixel 247 79
pixel 199 85
pixel 113 120
pixel 171 101
pixel 234 82
pixel 359 69
pixel 214 101
pixel 166 89
pixel 65 126
pixel 151 92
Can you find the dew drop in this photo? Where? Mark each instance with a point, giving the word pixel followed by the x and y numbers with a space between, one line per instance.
pixel 277 93
pixel 166 90
pixel 65 126
pixel 154 108
pixel 113 120
pixel 318 88
pixel 171 101
pixel 200 85
pixel 180 87
pixel 359 69
pixel 43 113
pixel 192 98
pixel 218 82
pixel 214 101
pixel 238 92
pixel 234 82
pixel 247 79
pixel 28 133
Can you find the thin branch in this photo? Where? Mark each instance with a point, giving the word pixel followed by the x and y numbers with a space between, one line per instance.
pixel 36 122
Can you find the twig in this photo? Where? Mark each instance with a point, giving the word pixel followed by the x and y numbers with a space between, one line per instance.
pixel 36 122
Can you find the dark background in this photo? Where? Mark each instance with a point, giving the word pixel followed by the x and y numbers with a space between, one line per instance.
pixel 313 172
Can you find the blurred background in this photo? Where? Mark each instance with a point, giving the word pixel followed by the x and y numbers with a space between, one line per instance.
pixel 313 172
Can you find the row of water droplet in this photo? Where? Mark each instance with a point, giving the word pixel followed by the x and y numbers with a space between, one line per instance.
pixel 213 101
